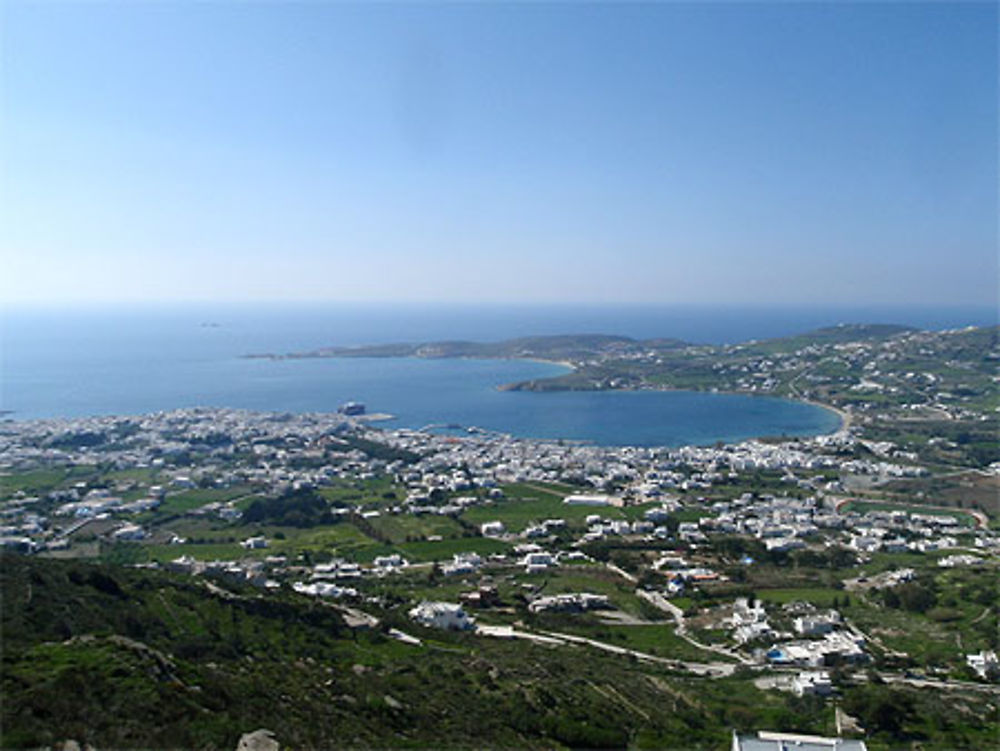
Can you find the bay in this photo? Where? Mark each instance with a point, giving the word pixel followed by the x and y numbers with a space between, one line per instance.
pixel 80 362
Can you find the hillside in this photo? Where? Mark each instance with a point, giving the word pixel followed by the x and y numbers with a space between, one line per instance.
pixel 832 335
pixel 120 657
pixel 136 658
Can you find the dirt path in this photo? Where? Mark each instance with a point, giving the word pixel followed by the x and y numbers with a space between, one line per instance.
pixel 659 601
pixel 978 618
pixel 547 491
pixel 621 572
pixel 556 638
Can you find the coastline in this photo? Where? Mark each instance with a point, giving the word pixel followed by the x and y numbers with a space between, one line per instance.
pixel 845 418
pixel 564 363
pixel 570 367
pixel 570 374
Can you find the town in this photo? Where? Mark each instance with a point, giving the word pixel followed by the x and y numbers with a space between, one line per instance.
pixel 784 565
pixel 604 376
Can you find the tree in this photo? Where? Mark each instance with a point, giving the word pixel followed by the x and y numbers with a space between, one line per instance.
pixel 916 597
pixel 880 708
pixel 434 575
pixel 890 598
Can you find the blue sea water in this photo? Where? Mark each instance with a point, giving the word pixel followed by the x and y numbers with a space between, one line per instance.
pixel 78 362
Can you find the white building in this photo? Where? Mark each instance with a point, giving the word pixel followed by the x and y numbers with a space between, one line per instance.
pixel 462 564
pixel 768 741
pixel 389 562
pixel 579 499
pixel 953 561
pixel 446 615
pixel 783 544
pixel 838 645
pixel 323 589
pixel 229 513
pixel 657 515
pixel 690 532
pixel 539 561
pixel 749 620
pixel 818 624
pixel 492 529
pixel 812 682
pixel 571 602
pixel 984 664
pixel 129 532
pixel 865 544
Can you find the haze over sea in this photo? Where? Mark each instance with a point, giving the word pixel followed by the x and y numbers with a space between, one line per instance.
pixel 74 362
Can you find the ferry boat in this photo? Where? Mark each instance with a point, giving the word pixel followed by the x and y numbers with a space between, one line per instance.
pixel 351 409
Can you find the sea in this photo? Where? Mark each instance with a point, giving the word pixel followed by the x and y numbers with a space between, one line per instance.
pixel 125 360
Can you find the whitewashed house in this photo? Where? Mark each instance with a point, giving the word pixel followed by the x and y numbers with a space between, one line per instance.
pixel 492 529
pixel 445 615
pixel 817 624
pixel 129 533
pixel 815 683
pixel 984 664
pixel 539 561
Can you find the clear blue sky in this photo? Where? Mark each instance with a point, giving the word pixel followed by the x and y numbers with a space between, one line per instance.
pixel 668 153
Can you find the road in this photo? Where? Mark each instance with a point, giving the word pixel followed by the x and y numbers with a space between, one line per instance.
pixel 557 638
pixel 982 521
pixel 659 601
pixel 941 685
pixel 621 572
pixel 509 632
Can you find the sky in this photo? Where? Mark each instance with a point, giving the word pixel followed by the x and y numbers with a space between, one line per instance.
pixel 748 153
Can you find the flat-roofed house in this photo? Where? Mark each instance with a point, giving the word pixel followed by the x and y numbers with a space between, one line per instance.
pixel 579 499
pixel 768 741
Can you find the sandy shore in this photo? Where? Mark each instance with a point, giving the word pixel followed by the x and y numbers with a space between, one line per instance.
pixel 846 419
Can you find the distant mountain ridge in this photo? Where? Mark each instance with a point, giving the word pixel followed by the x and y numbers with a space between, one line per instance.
pixel 851 332
pixel 550 347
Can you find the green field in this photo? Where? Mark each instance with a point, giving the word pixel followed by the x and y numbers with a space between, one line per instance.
pixel 145 475
pixel 961 617
pixel 222 542
pixel 43 481
pixel 440 550
pixel 379 491
pixel 214 551
pixel 529 505
pixel 187 500
pixel 595 579
pixel 342 540
pixel 655 639
pixel 398 528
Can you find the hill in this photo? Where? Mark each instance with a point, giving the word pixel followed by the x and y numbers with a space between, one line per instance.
pixel 133 658
pixel 556 347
